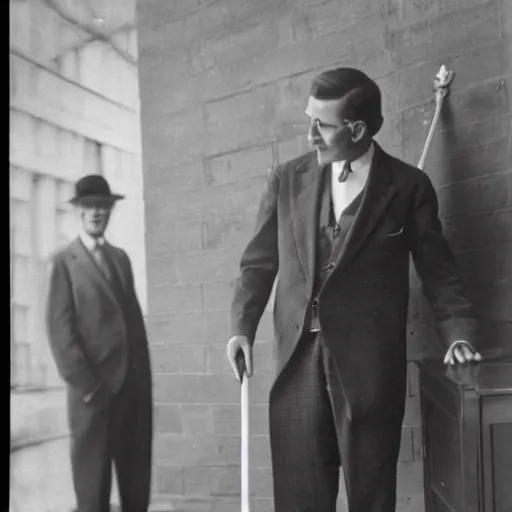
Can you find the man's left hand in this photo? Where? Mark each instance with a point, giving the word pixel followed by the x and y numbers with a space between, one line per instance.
pixel 461 352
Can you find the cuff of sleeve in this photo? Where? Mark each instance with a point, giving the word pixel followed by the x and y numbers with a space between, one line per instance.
pixel 89 396
pixel 251 341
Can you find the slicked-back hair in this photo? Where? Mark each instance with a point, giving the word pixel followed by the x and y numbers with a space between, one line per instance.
pixel 360 95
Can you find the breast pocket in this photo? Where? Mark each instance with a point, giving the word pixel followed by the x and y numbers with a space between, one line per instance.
pixel 390 240
pixel 395 233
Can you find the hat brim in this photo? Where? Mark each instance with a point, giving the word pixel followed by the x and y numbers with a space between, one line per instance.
pixel 112 198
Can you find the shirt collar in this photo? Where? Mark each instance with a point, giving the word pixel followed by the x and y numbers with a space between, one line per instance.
pixel 361 164
pixel 91 242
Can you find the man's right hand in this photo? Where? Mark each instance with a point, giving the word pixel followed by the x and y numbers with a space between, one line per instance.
pixel 88 397
pixel 237 346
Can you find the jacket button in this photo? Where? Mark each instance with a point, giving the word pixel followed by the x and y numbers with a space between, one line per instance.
pixel 314 303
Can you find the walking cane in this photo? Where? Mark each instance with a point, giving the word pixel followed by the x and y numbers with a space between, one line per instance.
pixel 441 83
pixel 244 407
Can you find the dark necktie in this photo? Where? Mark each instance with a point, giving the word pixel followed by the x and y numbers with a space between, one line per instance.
pixel 345 171
pixel 103 262
pixel 108 269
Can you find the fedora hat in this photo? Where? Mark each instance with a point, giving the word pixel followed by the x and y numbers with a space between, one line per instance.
pixel 93 188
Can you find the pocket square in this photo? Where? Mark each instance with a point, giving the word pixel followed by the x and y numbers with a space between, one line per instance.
pixel 395 233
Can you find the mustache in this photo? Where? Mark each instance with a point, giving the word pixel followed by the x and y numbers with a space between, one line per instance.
pixel 316 142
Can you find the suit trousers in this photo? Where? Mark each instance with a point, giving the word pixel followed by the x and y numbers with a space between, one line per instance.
pixel 111 429
pixel 312 434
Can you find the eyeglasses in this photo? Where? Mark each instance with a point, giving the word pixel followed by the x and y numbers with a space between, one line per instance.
pixel 97 205
pixel 345 122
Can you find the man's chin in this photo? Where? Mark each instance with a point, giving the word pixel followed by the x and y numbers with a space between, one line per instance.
pixel 323 157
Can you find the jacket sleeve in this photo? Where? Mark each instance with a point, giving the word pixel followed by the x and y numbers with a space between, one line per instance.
pixel 258 266
pixel 438 269
pixel 62 331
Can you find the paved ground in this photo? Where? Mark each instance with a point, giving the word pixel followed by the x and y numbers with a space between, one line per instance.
pixel 40 474
pixel 40 479
pixel 40 482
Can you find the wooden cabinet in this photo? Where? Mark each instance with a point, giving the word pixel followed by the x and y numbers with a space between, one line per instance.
pixel 467 436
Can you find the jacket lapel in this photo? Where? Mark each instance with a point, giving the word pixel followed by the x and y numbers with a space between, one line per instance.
pixel 306 192
pixel 376 197
pixel 120 270
pixel 90 269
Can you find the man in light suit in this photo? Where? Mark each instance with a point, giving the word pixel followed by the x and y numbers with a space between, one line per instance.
pixel 97 336
pixel 339 224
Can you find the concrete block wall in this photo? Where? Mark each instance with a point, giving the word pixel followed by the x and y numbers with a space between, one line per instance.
pixel 223 90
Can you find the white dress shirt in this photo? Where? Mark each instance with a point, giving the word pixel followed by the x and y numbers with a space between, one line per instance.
pixel 344 193
pixel 91 242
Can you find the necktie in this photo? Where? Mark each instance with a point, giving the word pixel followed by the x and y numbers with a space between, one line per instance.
pixel 108 269
pixel 102 261
pixel 345 171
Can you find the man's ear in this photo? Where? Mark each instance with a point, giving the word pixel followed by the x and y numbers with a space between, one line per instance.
pixel 359 131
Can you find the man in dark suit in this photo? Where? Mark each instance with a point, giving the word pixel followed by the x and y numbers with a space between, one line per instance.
pixel 98 339
pixel 337 226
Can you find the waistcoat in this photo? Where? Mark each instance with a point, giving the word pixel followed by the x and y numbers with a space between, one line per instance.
pixel 332 235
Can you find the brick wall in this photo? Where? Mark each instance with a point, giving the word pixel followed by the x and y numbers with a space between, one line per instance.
pixel 223 87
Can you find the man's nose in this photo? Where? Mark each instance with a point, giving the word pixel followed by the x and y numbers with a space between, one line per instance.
pixel 99 209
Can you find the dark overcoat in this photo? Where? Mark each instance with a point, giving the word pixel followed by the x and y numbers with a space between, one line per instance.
pixel 363 302
pixel 98 339
pixel 90 329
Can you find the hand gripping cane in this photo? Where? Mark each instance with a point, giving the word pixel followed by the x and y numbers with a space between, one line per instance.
pixel 244 407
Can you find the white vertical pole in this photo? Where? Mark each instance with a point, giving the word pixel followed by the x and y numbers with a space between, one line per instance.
pixel 245 495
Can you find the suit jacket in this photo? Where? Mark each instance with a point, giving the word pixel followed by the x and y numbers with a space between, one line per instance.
pixel 90 328
pixel 362 304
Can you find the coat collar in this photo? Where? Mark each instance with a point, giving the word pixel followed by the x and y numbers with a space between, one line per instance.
pixel 377 195
pixel 90 242
pixel 306 194
pixel 91 270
